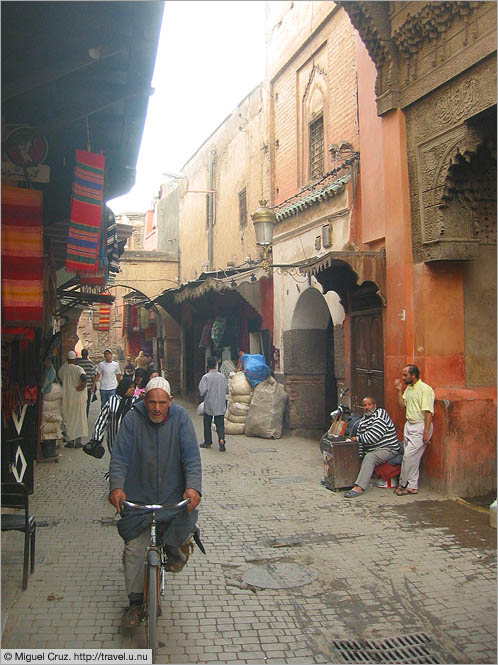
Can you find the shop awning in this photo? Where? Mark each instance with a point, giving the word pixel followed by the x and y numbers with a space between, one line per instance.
pixel 76 75
pixel 333 270
pixel 237 280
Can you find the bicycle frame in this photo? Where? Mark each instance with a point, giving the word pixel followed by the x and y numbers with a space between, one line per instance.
pixel 154 578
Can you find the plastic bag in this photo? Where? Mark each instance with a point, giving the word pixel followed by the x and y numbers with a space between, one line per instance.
pixel 255 368
pixel 267 409
pixel 238 409
pixel 200 409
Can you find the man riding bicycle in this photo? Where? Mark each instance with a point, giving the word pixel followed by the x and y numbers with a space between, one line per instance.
pixel 156 460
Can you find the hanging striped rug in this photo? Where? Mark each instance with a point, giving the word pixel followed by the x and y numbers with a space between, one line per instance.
pixel 104 317
pixel 85 222
pixel 22 257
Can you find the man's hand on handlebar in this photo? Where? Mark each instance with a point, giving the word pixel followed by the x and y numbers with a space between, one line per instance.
pixel 115 498
pixel 195 498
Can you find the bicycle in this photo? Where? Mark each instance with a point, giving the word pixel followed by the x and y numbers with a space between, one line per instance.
pixel 155 558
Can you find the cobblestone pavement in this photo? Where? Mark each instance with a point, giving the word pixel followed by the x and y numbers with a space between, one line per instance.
pixel 373 568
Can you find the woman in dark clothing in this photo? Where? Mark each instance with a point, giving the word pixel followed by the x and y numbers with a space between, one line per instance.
pixel 140 374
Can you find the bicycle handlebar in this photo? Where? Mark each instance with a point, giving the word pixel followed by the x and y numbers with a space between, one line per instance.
pixel 153 506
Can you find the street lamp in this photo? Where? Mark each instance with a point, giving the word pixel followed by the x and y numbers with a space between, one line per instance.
pixel 264 220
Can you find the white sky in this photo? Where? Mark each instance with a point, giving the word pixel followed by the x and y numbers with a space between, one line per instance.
pixel 210 56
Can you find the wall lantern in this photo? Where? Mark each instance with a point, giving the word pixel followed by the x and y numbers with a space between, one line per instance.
pixel 264 221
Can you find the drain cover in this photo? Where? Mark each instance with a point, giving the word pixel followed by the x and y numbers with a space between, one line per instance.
pixel 414 648
pixel 278 576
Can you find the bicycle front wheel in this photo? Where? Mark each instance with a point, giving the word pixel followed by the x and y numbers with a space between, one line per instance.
pixel 152 608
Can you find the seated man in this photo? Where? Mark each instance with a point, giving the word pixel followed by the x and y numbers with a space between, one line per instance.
pixel 378 443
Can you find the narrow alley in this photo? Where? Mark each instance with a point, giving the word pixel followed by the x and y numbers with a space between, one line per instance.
pixel 294 573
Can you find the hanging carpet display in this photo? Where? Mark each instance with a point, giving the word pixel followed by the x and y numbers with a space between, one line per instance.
pixel 22 257
pixel 104 317
pixel 85 224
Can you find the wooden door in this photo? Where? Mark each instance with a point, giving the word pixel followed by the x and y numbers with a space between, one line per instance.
pixel 367 347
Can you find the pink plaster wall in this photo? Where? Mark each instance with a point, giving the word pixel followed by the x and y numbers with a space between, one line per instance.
pixel 373 225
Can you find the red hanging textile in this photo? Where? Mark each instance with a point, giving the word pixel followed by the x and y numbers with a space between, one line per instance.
pixel 104 317
pixel 22 257
pixel 85 223
pixel 97 280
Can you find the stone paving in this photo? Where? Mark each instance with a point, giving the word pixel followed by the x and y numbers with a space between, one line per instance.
pixel 378 567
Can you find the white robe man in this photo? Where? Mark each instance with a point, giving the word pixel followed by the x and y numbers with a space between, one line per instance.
pixel 73 379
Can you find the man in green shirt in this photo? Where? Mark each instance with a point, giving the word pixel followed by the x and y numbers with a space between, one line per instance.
pixel 418 400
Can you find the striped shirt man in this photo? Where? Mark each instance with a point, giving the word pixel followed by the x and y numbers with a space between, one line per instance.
pixel 89 368
pixel 376 431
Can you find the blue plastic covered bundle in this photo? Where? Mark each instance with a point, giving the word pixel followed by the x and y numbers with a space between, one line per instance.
pixel 255 368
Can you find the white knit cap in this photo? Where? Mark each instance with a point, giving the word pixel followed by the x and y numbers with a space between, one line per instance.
pixel 158 382
pixel 71 355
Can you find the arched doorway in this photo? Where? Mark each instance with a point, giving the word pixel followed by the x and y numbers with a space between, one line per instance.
pixel 309 359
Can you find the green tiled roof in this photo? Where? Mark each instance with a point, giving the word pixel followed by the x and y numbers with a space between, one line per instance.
pixel 326 192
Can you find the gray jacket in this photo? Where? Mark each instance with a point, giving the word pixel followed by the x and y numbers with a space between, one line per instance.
pixel 214 388
pixel 156 463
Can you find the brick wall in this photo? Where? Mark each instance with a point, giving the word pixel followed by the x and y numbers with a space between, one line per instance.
pixel 325 65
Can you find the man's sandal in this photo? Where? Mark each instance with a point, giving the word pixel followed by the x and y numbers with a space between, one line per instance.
pixel 403 491
pixel 132 617
pixel 175 564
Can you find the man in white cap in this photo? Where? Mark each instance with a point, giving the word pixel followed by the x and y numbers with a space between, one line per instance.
pixel 155 460
pixel 74 381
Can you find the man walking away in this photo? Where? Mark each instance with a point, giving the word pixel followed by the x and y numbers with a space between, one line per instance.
pixel 213 387
pixel 378 443
pixel 89 369
pixel 73 401
pixel 418 400
pixel 109 374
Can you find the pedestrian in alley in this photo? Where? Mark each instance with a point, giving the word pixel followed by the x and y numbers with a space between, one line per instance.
pixel 129 368
pixel 418 400
pixel 213 387
pixel 142 360
pixel 151 373
pixel 74 381
pixel 113 412
pixel 155 460
pixel 140 383
pixel 90 370
pixel 109 374
pixel 378 443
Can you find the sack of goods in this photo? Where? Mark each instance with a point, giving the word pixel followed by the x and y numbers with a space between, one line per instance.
pixel 255 368
pixel 266 411
pixel 239 398
pixel 51 414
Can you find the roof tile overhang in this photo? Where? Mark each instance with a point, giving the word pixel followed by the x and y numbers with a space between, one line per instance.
pixel 366 266
pixel 323 193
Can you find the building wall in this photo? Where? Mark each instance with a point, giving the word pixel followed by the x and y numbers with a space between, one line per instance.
pixel 167 216
pixel 150 231
pixel 312 73
pixel 373 213
pixel 441 267
pixel 149 272
pixel 239 149
pixel 318 77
